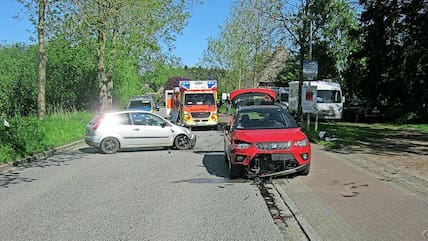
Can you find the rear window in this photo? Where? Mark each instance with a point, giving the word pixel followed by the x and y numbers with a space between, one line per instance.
pixel 140 103
pixel 253 99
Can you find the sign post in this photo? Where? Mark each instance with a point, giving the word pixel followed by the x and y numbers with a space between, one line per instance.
pixel 309 101
pixel 310 72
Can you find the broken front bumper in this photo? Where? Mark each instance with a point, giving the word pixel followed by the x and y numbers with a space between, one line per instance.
pixel 279 173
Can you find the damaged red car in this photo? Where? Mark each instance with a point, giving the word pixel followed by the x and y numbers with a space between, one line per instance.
pixel 265 141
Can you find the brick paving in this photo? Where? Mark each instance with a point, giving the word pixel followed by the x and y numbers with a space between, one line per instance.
pixel 342 201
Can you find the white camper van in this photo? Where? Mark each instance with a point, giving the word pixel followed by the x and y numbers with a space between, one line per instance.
pixel 329 98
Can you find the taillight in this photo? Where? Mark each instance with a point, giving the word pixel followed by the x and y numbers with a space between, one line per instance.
pixel 98 123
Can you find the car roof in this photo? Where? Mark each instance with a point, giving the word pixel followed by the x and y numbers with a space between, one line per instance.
pixel 125 111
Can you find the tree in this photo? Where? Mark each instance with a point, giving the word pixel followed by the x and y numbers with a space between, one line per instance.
pixel 131 26
pixel 42 58
pixel 44 8
pixel 245 45
pixel 392 61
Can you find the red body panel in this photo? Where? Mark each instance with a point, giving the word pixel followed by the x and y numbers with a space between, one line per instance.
pixel 238 92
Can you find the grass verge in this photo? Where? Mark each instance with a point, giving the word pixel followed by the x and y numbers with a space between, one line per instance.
pixel 26 136
pixel 359 134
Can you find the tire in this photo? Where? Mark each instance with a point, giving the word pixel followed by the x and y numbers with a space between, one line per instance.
pixel 109 145
pixel 182 142
pixel 305 171
pixel 235 171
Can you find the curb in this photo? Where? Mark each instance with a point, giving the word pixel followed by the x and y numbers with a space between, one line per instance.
pixel 39 156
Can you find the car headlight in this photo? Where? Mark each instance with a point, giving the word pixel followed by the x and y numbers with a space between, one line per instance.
pixel 242 145
pixel 302 143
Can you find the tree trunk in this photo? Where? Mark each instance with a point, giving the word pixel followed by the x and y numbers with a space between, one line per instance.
pixel 42 60
pixel 103 81
pixel 102 78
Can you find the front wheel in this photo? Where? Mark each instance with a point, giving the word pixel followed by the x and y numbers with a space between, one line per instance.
pixel 235 171
pixel 182 142
pixel 305 171
pixel 109 145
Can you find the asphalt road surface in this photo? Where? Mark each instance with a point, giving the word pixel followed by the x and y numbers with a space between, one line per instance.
pixel 133 195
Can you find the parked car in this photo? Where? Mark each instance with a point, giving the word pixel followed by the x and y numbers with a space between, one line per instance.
pixel 113 131
pixel 143 102
pixel 363 111
pixel 265 141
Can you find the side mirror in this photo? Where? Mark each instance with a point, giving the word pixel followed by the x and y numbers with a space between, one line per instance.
pixel 164 124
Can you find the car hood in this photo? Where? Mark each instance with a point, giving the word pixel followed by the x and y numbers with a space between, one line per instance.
pixel 269 135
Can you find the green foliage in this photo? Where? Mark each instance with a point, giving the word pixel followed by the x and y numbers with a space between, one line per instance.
pixel 25 136
pixel 18 80
pixel 128 81
pixel 29 135
pixel 392 66
pixel 71 76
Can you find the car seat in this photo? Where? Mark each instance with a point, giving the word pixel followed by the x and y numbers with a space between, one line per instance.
pixel 245 119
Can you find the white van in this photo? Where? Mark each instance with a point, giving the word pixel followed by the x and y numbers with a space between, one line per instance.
pixel 329 98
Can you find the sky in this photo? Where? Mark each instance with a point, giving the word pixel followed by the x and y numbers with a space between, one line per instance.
pixel 205 22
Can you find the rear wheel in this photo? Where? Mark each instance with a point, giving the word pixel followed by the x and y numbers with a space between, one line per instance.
pixel 182 142
pixel 110 145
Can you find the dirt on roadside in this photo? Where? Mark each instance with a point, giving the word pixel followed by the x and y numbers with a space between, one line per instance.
pixel 400 157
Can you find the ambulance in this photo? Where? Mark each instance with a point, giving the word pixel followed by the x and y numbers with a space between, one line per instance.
pixel 194 103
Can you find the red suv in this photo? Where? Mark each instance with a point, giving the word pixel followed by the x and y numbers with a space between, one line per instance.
pixel 265 141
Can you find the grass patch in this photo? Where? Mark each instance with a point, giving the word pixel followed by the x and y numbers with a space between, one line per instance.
pixel 29 135
pixel 359 134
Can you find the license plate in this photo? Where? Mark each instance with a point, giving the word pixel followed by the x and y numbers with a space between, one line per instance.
pixel 281 156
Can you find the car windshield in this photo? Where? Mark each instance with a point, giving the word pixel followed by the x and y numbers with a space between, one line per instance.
pixel 199 99
pixel 274 118
pixel 328 96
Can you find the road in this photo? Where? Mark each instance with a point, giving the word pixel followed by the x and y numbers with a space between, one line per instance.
pixel 162 194
pixel 133 195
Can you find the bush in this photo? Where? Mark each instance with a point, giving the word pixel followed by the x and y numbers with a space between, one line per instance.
pixel 26 136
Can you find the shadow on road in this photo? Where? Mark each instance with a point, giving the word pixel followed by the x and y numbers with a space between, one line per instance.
pixel 216 166
pixel 14 176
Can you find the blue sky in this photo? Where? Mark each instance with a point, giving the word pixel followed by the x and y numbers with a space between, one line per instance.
pixel 204 23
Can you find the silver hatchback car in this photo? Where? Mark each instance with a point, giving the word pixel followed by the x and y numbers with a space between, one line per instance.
pixel 113 131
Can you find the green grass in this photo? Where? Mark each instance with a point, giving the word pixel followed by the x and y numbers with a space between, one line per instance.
pixel 29 135
pixel 358 134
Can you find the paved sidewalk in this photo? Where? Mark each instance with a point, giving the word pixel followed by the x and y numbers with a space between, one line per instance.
pixel 344 202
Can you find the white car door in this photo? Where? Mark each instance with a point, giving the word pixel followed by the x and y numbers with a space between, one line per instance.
pixel 148 130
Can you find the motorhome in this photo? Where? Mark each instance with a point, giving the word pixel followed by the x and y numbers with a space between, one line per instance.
pixel 329 98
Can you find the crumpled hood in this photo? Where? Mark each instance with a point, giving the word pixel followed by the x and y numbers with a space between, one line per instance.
pixel 269 135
